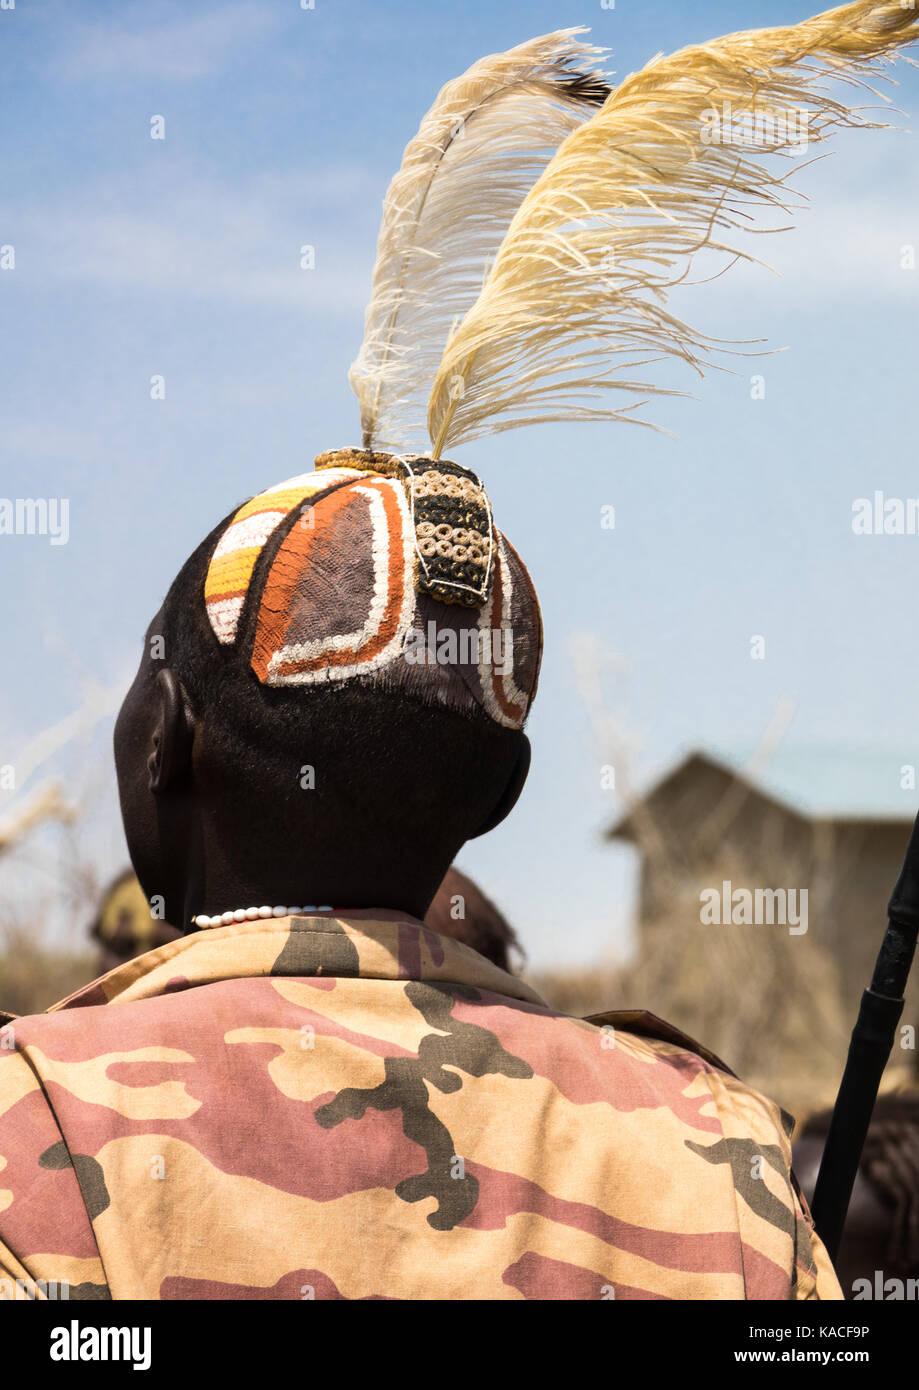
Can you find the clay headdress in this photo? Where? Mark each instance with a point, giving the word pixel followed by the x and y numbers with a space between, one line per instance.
pixel 530 245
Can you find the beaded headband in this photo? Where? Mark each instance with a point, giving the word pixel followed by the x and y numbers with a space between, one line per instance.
pixel 381 567
pixel 451 521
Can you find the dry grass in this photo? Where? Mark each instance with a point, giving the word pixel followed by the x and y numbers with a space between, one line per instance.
pixel 35 971
pixel 34 976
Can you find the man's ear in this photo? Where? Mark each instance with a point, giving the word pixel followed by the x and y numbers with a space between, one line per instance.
pixel 511 792
pixel 173 733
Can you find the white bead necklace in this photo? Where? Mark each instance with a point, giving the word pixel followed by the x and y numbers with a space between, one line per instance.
pixel 252 914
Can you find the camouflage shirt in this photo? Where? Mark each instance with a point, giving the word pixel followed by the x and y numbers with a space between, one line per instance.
pixel 358 1107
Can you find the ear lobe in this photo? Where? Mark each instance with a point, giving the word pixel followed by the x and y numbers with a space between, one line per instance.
pixel 173 734
pixel 515 784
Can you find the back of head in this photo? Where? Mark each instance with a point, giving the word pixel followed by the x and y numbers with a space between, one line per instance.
pixel 357 650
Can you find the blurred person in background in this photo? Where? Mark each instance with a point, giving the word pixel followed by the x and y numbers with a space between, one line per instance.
pixel 125 927
pixel 462 911
pixel 882 1227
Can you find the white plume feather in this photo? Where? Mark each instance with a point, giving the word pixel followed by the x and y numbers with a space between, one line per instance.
pixel 480 148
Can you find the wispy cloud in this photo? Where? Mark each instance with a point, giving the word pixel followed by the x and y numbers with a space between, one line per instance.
pixel 856 213
pixel 178 49
pixel 853 246
pixel 205 240
pixel 210 240
pixel 842 248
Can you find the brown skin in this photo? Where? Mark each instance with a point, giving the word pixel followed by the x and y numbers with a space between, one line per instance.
pixel 205 851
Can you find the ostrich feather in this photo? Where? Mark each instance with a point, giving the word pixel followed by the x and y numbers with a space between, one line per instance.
pixel 482 145
pixel 576 301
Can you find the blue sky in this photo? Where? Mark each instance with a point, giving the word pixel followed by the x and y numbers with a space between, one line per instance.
pixel 283 127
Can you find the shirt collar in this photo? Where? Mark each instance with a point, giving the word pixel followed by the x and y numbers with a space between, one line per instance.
pixel 375 945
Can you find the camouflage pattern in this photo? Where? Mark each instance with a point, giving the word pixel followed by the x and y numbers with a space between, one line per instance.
pixel 357 1107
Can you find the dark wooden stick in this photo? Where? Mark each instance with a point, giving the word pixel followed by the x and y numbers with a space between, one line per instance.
pixel 869 1050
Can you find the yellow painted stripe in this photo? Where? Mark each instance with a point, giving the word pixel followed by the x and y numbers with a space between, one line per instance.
pixel 229 575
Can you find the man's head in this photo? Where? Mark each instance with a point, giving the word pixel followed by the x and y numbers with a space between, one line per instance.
pixel 311 722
